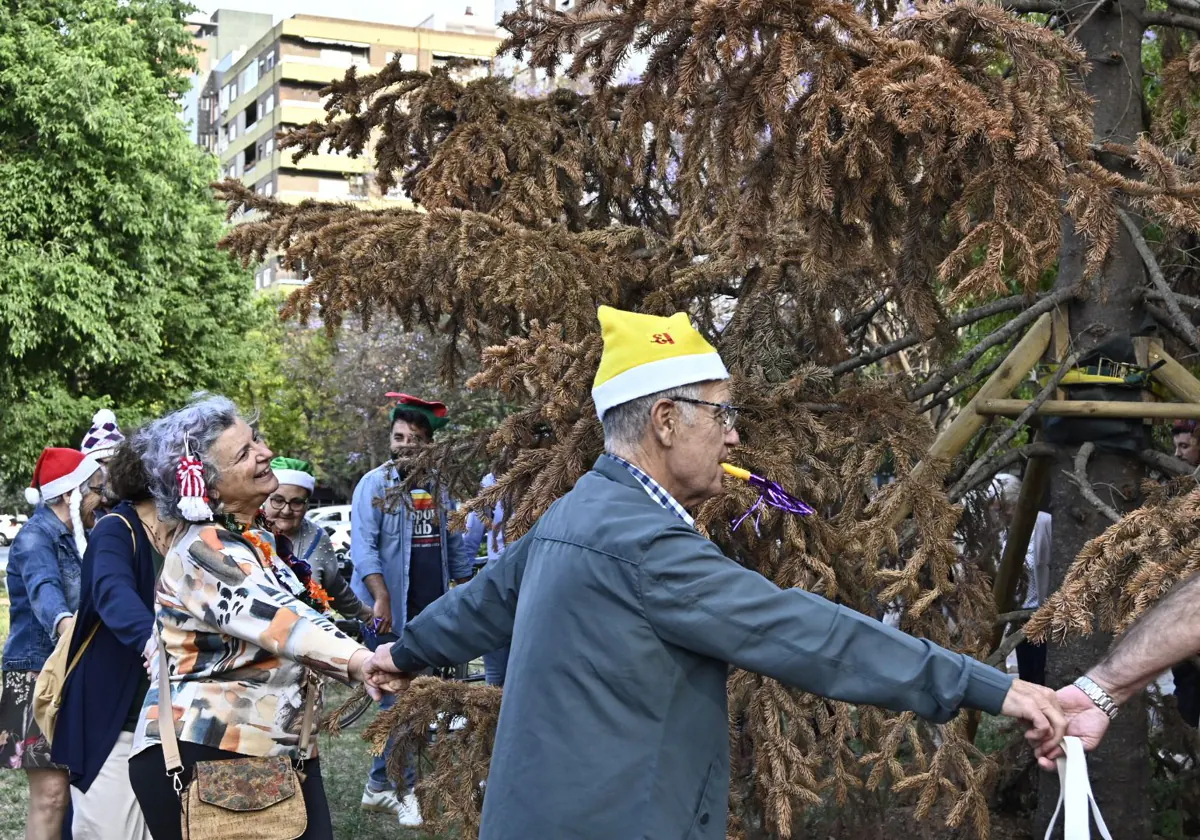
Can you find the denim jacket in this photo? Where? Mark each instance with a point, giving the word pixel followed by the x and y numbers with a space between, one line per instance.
pixel 381 543
pixel 43 587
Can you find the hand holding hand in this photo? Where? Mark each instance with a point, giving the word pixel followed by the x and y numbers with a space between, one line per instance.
pixel 1039 707
pixel 381 675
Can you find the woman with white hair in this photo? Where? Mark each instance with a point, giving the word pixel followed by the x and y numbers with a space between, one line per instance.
pixel 43 591
pixel 243 636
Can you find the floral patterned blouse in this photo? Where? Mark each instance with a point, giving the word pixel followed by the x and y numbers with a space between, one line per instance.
pixel 238 645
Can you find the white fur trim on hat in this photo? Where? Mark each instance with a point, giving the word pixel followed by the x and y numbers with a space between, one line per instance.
pixel 64 484
pixel 659 375
pixel 296 478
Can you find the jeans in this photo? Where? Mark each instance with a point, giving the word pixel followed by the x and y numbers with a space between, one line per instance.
pixel 377 777
pixel 495 666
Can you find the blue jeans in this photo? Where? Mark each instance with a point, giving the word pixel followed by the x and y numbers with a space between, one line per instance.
pixel 377 778
pixel 495 666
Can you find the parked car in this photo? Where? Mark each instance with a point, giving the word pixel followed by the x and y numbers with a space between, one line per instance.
pixel 330 515
pixel 339 536
pixel 9 527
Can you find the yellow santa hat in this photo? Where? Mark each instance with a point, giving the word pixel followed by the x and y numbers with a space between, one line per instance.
pixel 645 354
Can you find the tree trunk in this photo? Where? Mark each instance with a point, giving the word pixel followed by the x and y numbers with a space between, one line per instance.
pixel 1120 769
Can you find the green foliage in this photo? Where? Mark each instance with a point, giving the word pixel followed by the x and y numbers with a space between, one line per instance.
pixel 322 398
pixel 111 290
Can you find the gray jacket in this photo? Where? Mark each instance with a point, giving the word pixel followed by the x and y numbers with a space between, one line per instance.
pixel 622 620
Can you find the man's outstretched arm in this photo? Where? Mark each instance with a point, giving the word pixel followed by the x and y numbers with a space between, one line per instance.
pixel 1168 633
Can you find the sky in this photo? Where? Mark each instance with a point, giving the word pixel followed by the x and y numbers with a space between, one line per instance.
pixel 403 12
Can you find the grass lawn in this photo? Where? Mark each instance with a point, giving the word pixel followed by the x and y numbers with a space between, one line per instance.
pixel 344 762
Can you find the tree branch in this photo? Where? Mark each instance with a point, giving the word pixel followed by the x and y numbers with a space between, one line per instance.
pixel 1185 5
pixel 964 319
pixel 1015 615
pixel 1011 432
pixel 1022 7
pixel 1166 463
pixel 987 469
pixel 1007 646
pixel 1045 304
pixel 950 394
pixel 1081 480
pixel 1178 319
pixel 1171 19
pixel 1186 300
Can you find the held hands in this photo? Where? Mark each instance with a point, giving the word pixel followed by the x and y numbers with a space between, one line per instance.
pixel 1085 720
pixel 1039 707
pixel 377 672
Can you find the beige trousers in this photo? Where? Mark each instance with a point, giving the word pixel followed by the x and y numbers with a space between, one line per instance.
pixel 109 810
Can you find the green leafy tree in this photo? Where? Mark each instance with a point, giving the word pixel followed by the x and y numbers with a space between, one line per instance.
pixel 111 292
pixel 322 398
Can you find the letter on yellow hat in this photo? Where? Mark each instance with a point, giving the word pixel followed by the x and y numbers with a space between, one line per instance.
pixel 645 354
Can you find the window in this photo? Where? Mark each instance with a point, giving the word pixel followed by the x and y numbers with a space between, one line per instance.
pixel 269 188
pixel 358 186
pixel 268 104
pixel 251 115
pixel 269 146
pixel 250 157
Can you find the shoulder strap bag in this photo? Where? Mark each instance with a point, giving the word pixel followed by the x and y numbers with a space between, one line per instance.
pixel 251 798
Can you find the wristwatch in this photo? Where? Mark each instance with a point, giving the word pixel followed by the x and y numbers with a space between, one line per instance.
pixel 1097 695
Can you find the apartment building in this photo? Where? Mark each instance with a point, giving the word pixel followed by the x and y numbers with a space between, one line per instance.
pixel 275 83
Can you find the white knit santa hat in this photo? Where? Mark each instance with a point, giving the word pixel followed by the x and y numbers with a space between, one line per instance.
pixel 62 472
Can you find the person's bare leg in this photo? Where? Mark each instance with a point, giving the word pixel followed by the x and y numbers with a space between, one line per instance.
pixel 49 793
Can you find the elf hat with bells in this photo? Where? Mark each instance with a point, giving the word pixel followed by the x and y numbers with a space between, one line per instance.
pixel 645 354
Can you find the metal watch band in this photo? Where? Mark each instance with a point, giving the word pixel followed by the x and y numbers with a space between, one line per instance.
pixel 1097 695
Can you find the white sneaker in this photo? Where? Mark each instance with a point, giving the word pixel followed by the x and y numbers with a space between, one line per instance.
pixel 410 811
pixel 380 801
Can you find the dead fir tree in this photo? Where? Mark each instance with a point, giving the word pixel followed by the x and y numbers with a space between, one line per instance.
pixel 836 192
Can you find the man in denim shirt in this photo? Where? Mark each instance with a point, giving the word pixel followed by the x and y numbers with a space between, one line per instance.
pixel 404 560
pixel 44 570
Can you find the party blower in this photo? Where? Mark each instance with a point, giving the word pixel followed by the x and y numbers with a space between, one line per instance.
pixel 770 493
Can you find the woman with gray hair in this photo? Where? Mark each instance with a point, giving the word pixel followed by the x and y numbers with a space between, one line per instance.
pixel 239 628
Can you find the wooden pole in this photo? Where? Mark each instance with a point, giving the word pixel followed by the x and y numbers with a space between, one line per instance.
pixel 1174 375
pixel 1020 529
pixel 1033 486
pixel 1092 408
pixel 958 434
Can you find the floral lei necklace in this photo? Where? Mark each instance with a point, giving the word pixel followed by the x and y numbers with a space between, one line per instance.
pixel 309 592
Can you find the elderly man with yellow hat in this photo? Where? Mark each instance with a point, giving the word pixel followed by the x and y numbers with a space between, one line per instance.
pixel 623 621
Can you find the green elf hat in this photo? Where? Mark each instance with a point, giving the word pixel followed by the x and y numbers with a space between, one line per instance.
pixel 294 471
pixel 434 412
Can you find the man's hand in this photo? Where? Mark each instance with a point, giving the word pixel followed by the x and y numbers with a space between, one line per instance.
pixel 61 626
pixel 1085 720
pixel 382 612
pixel 381 674
pixel 1039 707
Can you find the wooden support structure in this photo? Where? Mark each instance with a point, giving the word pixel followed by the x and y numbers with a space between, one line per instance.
pixel 1020 529
pixel 1092 408
pixel 969 421
pixel 1174 375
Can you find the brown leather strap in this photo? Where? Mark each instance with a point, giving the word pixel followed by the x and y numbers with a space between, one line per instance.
pixel 311 690
pixel 166 715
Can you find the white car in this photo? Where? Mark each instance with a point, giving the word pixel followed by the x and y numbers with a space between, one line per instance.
pixel 9 526
pixel 330 515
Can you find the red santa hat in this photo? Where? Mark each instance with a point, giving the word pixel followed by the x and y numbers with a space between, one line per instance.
pixel 61 472
pixel 58 472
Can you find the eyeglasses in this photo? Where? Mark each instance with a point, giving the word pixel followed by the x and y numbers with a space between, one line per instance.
pixel 726 414
pixel 278 503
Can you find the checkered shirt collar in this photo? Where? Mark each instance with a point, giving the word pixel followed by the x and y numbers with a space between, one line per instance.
pixel 656 492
